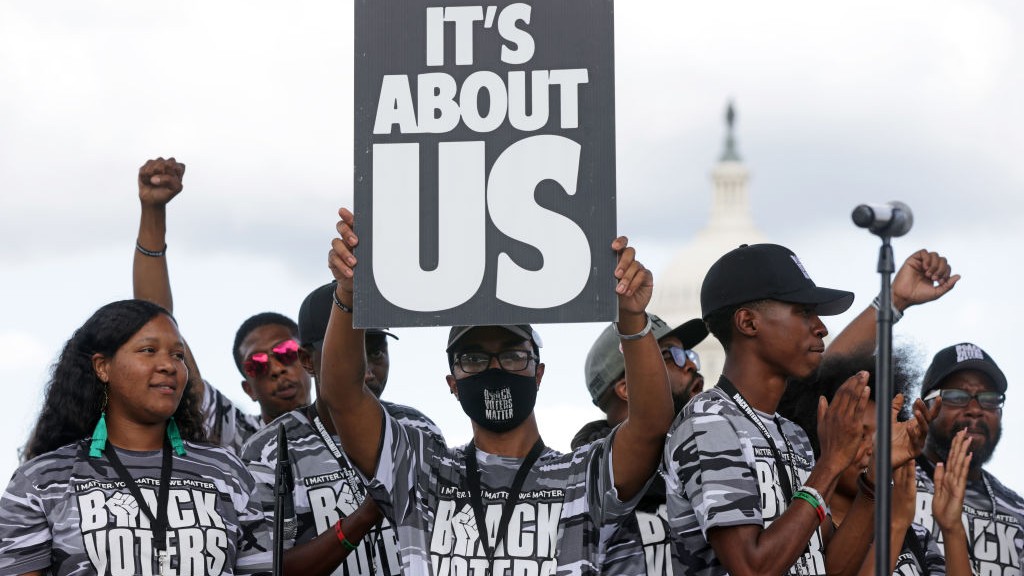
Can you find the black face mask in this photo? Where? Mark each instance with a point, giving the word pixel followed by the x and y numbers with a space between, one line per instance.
pixel 497 400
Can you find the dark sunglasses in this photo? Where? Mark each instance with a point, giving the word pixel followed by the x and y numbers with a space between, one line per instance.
pixel 961 398
pixel 680 356
pixel 258 364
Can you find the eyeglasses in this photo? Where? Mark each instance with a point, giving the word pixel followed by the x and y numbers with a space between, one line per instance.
pixel 680 356
pixel 961 398
pixel 258 364
pixel 510 360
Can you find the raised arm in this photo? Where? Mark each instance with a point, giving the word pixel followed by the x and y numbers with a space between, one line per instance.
pixel 924 276
pixel 159 182
pixel 357 414
pixel 639 442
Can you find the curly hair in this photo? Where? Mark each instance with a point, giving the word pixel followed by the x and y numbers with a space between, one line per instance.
pixel 75 395
pixel 800 401
pixel 257 321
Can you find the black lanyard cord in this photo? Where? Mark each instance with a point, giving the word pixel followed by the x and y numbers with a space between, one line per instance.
pixel 357 488
pixel 476 494
pixel 159 524
pixel 788 485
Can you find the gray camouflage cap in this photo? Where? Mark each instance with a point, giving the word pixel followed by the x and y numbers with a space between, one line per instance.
pixel 605 363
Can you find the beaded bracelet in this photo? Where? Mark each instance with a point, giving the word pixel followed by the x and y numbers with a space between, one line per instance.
pixel 341 537
pixel 151 253
pixel 341 305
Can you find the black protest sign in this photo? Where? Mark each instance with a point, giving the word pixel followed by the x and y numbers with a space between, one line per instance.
pixel 484 162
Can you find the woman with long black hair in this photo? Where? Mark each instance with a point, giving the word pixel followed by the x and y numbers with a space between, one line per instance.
pixel 117 478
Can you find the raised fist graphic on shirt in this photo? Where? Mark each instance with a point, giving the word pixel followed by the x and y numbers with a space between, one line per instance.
pixel 124 508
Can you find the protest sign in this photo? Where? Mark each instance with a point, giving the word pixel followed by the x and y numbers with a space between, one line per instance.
pixel 484 162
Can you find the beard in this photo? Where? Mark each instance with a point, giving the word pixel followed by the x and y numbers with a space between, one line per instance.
pixel 679 401
pixel 939 442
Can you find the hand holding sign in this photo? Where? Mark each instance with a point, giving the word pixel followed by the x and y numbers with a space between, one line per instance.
pixel 340 259
pixel 635 282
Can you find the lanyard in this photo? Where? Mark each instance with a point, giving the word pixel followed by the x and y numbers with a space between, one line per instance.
pixel 159 524
pixel 343 462
pixel 787 485
pixel 785 482
pixel 476 498
pixel 354 485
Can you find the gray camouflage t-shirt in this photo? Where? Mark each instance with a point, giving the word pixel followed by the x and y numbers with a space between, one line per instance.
pixel 995 545
pixel 567 509
pixel 642 545
pixel 920 556
pixel 323 491
pixel 70 514
pixel 225 422
pixel 720 471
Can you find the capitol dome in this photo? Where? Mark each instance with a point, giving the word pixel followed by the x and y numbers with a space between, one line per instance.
pixel 676 297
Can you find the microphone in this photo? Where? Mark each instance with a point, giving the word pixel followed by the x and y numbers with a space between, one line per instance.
pixel 892 219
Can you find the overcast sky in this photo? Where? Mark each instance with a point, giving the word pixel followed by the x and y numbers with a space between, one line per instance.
pixel 839 103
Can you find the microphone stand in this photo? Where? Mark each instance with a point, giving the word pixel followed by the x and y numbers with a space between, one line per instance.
pixel 282 489
pixel 883 404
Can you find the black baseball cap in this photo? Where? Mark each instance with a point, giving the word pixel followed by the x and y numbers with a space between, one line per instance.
pixel 766 271
pixel 525 331
pixel 314 313
pixel 690 333
pixel 963 356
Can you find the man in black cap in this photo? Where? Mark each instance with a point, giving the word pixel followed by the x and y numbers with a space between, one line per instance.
pixel 744 493
pixel 641 544
pixel 335 525
pixel 504 504
pixel 972 389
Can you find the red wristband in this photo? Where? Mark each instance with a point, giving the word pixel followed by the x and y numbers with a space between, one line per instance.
pixel 341 537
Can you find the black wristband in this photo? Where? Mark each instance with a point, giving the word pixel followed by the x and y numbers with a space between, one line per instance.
pixel 341 305
pixel 151 253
